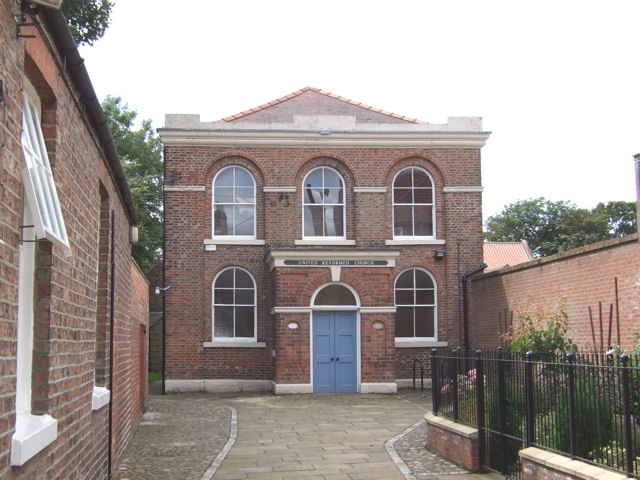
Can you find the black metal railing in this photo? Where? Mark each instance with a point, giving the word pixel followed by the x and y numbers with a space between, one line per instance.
pixel 586 406
pixel 417 362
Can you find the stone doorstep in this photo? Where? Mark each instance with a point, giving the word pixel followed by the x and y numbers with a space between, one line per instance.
pixel 561 463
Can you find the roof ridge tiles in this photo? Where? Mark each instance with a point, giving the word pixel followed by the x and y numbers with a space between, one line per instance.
pixel 322 92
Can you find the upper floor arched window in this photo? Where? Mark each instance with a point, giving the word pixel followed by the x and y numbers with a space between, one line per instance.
pixel 234 203
pixel 414 213
pixel 323 202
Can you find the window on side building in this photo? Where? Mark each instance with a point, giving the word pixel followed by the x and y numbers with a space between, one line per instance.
pixel 41 219
pixel 234 203
pixel 416 305
pixel 234 306
pixel 414 211
pixel 323 204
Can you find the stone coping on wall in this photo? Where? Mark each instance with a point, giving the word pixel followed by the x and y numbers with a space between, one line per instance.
pixel 574 252
pixel 560 463
pixel 457 428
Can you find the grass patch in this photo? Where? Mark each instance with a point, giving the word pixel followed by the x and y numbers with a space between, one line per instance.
pixel 155 376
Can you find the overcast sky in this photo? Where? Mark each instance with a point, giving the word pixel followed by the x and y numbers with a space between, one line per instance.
pixel 556 82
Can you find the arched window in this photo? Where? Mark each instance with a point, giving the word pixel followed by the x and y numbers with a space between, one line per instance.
pixel 415 300
pixel 234 203
pixel 323 204
pixel 335 295
pixel 234 305
pixel 414 211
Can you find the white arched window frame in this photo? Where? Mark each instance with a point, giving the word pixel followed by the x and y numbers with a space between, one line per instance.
pixel 234 203
pixel 414 205
pixel 233 311
pixel 323 205
pixel 335 296
pixel 416 301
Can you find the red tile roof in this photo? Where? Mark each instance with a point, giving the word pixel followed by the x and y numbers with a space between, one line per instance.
pixel 280 100
pixel 502 254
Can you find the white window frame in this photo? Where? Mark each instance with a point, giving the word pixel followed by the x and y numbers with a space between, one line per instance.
pixel 37 177
pixel 234 339
pixel 433 207
pixel 321 238
pixel 434 306
pixel 213 206
pixel 41 218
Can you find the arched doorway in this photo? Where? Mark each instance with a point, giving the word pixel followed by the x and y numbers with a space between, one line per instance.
pixel 335 340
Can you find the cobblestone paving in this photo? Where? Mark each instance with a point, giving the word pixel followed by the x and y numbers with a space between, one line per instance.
pixel 178 438
pixel 325 437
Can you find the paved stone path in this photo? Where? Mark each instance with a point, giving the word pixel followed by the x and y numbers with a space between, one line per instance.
pixel 307 437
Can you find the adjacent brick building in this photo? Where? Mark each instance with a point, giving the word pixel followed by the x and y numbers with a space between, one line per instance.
pixel 72 305
pixel 315 244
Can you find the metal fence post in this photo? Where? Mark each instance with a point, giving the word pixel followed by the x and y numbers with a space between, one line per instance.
pixel 502 402
pixel 480 405
pixel 435 389
pixel 626 400
pixel 572 402
pixel 528 389
pixel 454 383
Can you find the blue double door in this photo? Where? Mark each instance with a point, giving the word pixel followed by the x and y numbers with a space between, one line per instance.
pixel 335 361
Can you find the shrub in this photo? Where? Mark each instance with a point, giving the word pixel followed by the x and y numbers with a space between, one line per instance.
pixel 540 330
pixel 593 419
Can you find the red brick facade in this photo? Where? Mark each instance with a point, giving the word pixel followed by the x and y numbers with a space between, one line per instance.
pixel 584 276
pixel 279 154
pixel 71 388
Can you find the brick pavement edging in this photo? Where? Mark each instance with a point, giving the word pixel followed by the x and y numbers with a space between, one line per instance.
pixel 389 446
pixel 457 443
pixel 233 435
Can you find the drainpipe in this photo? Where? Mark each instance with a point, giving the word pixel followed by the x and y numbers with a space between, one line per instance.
pixel 465 312
pixel 636 157
pixel 164 265
pixel 111 331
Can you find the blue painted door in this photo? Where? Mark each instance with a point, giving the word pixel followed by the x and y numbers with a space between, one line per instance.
pixel 334 352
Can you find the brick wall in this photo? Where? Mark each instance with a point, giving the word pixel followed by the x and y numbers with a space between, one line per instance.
pixel 139 342
pixel 72 313
pixel 584 276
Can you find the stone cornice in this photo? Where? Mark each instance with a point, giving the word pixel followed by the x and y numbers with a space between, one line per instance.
pixel 261 138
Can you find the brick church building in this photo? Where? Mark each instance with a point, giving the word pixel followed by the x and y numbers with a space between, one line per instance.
pixel 316 244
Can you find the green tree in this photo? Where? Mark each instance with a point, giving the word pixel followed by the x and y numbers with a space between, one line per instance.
pixel 621 216
pixel 87 19
pixel 551 227
pixel 140 152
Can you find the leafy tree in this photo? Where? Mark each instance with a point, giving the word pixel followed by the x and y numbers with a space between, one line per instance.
pixel 621 216
pixel 140 152
pixel 551 227
pixel 87 19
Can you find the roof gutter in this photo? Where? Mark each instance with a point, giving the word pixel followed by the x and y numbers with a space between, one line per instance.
pixel 74 65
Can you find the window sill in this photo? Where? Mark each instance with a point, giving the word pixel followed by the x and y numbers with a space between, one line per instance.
pixel 234 345
pixel 233 241
pixel 419 343
pixel 416 241
pixel 100 397
pixel 33 433
pixel 325 242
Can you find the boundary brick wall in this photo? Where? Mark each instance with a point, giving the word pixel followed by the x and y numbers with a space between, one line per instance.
pixel 72 314
pixel 584 276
